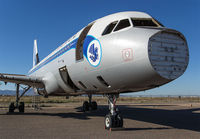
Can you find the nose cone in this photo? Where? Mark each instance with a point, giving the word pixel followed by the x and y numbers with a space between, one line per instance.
pixel 168 53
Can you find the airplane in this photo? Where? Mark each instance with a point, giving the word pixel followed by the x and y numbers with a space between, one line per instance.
pixel 124 52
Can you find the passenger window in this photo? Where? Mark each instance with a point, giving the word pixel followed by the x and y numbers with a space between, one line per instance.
pixel 123 24
pixel 109 28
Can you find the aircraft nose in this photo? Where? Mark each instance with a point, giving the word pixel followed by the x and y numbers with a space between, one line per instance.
pixel 168 53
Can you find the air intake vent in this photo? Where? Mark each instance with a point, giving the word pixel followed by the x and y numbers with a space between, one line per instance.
pixel 82 84
pixel 102 81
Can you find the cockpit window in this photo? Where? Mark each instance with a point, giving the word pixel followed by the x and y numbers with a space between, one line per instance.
pixel 123 24
pixel 158 22
pixel 109 28
pixel 145 22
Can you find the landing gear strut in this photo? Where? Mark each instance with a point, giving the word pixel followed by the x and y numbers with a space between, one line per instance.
pixel 17 105
pixel 91 105
pixel 114 118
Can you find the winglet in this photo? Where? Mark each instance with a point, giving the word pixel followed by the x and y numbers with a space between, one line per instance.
pixel 35 54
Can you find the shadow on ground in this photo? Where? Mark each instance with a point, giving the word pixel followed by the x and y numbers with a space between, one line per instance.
pixel 180 119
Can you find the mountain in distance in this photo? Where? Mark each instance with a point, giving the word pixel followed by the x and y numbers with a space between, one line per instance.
pixel 7 92
pixel 13 92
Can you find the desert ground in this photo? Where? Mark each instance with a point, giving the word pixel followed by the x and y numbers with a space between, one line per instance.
pixel 144 117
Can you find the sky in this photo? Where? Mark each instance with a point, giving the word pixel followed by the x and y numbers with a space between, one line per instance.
pixel 52 22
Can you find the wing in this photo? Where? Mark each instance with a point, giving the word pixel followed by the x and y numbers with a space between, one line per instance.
pixel 22 79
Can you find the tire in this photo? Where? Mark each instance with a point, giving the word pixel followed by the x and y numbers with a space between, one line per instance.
pixel 21 107
pixel 108 121
pixel 11 107
pixel 85 106
pixel 94 105
pixel 120 120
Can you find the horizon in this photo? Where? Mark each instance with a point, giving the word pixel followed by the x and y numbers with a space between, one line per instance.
pixel 54 22
pixel 31 93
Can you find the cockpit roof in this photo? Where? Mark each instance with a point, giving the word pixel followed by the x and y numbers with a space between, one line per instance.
pixel 122 15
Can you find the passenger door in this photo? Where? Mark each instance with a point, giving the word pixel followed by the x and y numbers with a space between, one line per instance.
pixel 67 79
pixel 80 42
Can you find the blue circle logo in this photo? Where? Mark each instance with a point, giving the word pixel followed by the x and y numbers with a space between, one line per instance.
pixel 94 53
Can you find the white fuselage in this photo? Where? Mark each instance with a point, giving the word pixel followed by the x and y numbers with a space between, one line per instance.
pixel 127 60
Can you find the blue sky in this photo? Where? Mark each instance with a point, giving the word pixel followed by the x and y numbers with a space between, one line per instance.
pixel 52 22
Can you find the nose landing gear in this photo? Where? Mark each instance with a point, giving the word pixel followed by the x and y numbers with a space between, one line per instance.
pixel 114 118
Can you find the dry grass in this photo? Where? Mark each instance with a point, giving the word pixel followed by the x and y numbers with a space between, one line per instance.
pixel 100 99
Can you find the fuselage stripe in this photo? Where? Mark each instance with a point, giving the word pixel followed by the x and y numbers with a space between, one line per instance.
pixel 56 55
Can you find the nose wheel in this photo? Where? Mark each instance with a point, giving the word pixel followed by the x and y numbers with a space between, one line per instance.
pixel 114 118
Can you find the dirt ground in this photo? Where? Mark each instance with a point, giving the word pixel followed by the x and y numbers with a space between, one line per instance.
pixel 173 120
